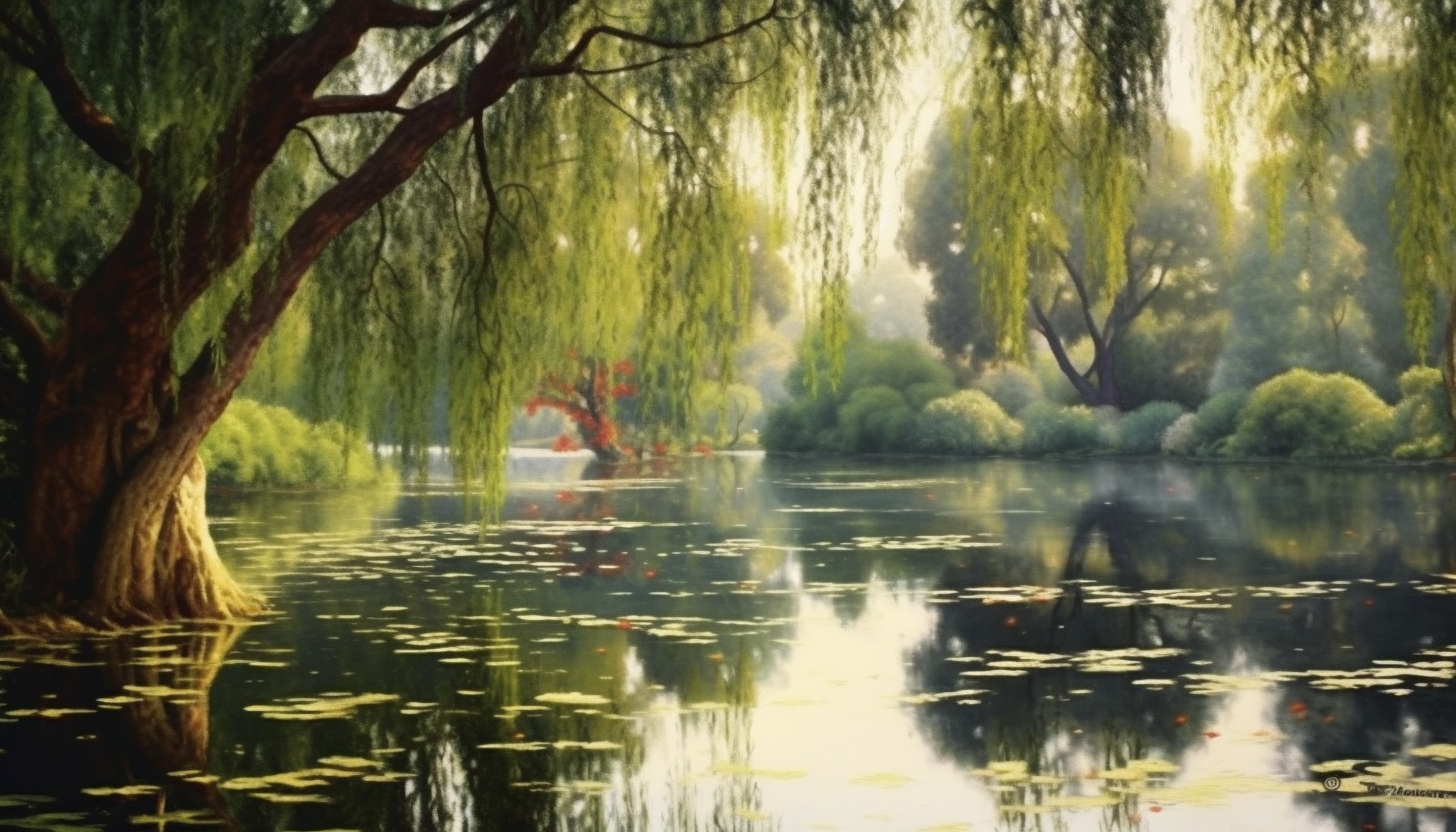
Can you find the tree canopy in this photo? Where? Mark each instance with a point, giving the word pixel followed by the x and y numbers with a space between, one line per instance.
pixel 472 190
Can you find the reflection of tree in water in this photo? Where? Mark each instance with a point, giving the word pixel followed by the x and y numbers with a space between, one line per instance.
pixel 1124 539
pixel 158 737
pixel 457 784
pixel 1062 723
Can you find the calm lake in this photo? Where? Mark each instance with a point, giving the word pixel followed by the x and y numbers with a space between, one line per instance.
pixel 740 643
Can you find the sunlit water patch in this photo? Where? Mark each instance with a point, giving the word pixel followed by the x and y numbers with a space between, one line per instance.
pixel 734 643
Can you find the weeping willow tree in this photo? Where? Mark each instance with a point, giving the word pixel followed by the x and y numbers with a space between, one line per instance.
pixel 1057 92
pixel 460 192
pixel 1071 91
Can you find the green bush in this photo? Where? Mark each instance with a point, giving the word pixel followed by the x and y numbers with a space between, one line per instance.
pixel 1050 429
pixel 1218 417
pixel 874 420
pixel 882 389
pixel 1423 428
pixel 258 445
pixel 1141 431
pixel 969 422
pixel 1310 415
pixel 1012 386
pixel 1181 437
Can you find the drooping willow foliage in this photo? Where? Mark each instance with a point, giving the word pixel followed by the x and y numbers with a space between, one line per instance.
pixel 1423 126
pixel 602 206
pixel 1057 92
pixel 1063 97
pixel 1281 65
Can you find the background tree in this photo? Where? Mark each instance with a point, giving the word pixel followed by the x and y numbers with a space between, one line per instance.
pixel 588 397
pixel 1296 302
pixel 172 172
pixel 1070 297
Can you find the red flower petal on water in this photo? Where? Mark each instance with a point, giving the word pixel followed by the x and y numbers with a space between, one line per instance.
pixel 1155 808
pixel 623 624
pixel 1010 621
pixel 1213 735
pixel 1298 708
pixel 1180 719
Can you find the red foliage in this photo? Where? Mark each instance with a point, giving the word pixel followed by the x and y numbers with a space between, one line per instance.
pixel 585 399
pixel 565 444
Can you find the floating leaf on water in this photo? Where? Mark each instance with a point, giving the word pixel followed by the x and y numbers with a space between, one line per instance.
pixel 136 790
pixel 244 784
pixel 514 746
pixel 573 699
pixel 387 777
pixel 181 817
pixel 53 822
pixel 350 762
pixel 50 713
pixel 1439 751
pixel 11 801
pixel 280 797
pixel 159 691
pixel 331 707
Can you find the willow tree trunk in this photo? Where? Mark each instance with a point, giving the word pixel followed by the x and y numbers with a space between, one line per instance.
pixel 114 528
pixel 111 521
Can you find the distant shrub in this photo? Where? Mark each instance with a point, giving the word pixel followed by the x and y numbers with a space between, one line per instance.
pixel 1218 417
pixel 1423 428
pixel 883 386
pixel 1141 431
pixel 1310 415
pixel 1050 429
pixel 969 422
pixel 257 445
pixel 922 393
pixel 874 420
pixel 1181 437
pixel 1012 386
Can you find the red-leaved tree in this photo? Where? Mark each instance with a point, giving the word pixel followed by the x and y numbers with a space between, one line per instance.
pixel 588 400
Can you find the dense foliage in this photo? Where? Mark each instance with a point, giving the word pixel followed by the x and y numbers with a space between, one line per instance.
pixel 884 386
pixel 967 423
pixel 1423 426
pixel 258 445
pixel 1303 414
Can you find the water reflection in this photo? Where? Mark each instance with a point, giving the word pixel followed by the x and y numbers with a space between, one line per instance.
pixel 747 644
pixel 122 721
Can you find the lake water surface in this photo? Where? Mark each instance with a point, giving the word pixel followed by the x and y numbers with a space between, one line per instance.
pixel 739 643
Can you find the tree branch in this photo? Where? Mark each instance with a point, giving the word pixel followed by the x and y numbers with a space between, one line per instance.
pixel 1082 295
pixel 1059 352
pixel 218 369
pixel 46 59
pixel 388 99
pixel 642 125
pixel 22 329
pixel 571 62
